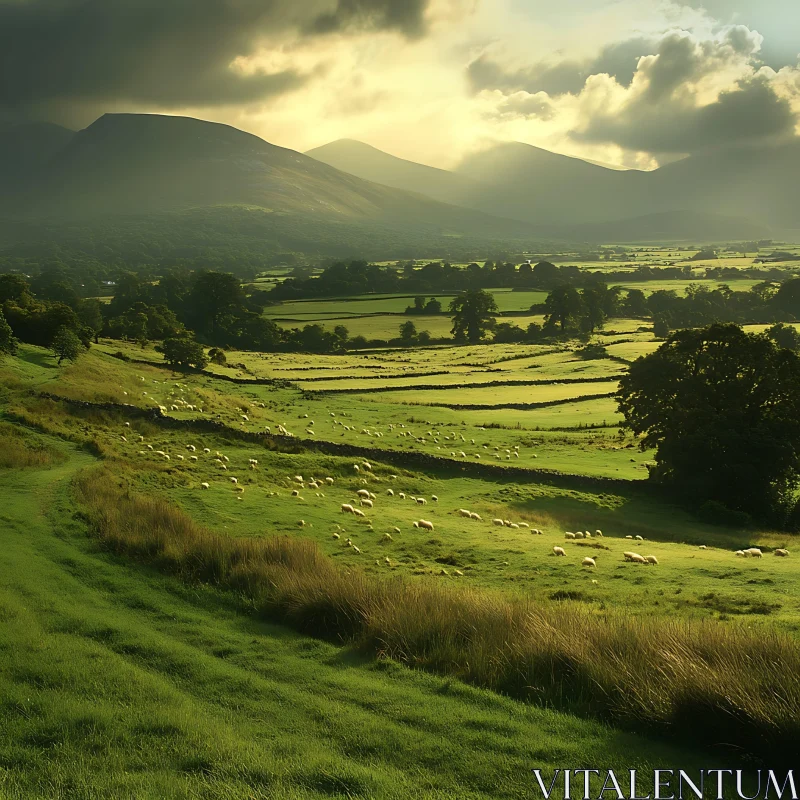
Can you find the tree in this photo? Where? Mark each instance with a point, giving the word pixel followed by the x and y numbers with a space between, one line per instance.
pixel 91 316
pixel 660 326
pixel 433 306
pixel 66 345
pixel 635 304
pixel 722 409
pixel 408 332
pixel 593 307
pixel 473 315
pixel 785 336
pixel 183 352
pixel 8 344
pixel 424 337
pixel 217 356
pixel 563 306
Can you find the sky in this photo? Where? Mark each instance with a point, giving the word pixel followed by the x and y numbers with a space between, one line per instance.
pixel 636 83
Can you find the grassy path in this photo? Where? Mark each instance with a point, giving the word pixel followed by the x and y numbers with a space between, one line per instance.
pixel 116 682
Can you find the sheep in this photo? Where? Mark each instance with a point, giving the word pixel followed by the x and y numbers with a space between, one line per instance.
pixel 474 515
pixel 579 535
pixel 205 485
pixel 598 532
pixel 588 562
pixel 233 480
pixel 514 525
pixel 652 560
pixel 462 512
pixel 498 522
pixel 295 493
pixel 356 550
pixel 395 529
pixel 434 498
pixel 781 552
pixel 629 536
pixel 367 466
pixel 635 558
pixel 336 535
pixel 358 512
pixel 753 552
pixel 739 553
pixel 415 524
pixel 426 524
pixel 123 438
pixel 569 535
pixel 363 493
pixel 422 501
pixel 346 508
pixel 301 523
pixel 367 503
pixel 639 538
pixel 206 449
pixel 329 481
pixel 702 547
pixel 524 525
pixel 389 493
pixel 559 551
pixel 298 479
pixel 402 495
pixel 191 447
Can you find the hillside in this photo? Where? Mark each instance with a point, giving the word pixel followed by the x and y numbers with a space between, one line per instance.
pixel 372 164
pixel 26 149
pixel 738 192
pixel 143 163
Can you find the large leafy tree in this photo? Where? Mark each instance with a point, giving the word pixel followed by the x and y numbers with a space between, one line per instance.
pixel 473 315
pixel 67 345
pixel 563 306
pixel 183 352
pixel 8 344
pixel 722 409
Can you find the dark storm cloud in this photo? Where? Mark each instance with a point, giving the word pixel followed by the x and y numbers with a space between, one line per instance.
pixel 751 112
pixel 406 16
pixel 166 52
pixel 566 77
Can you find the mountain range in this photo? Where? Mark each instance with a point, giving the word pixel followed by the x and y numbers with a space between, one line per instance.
pixel 347 194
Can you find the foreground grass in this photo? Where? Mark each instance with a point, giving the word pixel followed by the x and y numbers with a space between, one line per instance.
pixel 117 681
pixel 705 681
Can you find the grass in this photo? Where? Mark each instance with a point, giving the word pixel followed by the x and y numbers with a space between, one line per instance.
pixel 20 449
pixel 118 681
pixel 567 658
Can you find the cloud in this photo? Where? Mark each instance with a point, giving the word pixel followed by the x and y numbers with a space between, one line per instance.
pixel 752 111
pixel 618 59
pixel 523 105
pixel 170 53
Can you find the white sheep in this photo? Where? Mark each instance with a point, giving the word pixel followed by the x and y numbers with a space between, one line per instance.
pixel 358 512
pixel 579 535
pixel 192 458
pixel 426 524
pixel 402 495
pixel 514 525
pixel 329 481
pixel 475 515
pixel 559 551
pixel 524 525
pixel 598 532
pixel 395 529
pixel 497 522
pixel 588 562
pixel 739 553
pixel 233 480
pixel 389 493
pixel 635 558
pixel 639 538
pixel 205 485
pixel 422 501
pixel 652 560
pixel 363 493
pixel 753 552
pixel 366 502
pixel 295 493
pixel 434 498
pixel 781 552
pixel 569 535
pixel 347 508
pixel 462 512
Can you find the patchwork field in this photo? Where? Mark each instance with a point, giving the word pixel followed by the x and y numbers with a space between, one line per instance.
pixel 237 705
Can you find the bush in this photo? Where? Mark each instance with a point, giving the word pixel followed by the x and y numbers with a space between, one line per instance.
pixel 591 352
pixel 216 355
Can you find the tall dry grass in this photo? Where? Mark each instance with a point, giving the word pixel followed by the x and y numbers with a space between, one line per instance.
pixel 704 682
pixel 19 449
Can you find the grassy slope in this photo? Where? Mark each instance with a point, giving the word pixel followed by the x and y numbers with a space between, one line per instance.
pixel 118 681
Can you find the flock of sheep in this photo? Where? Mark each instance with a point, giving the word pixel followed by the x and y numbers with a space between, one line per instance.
pixel 364 499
